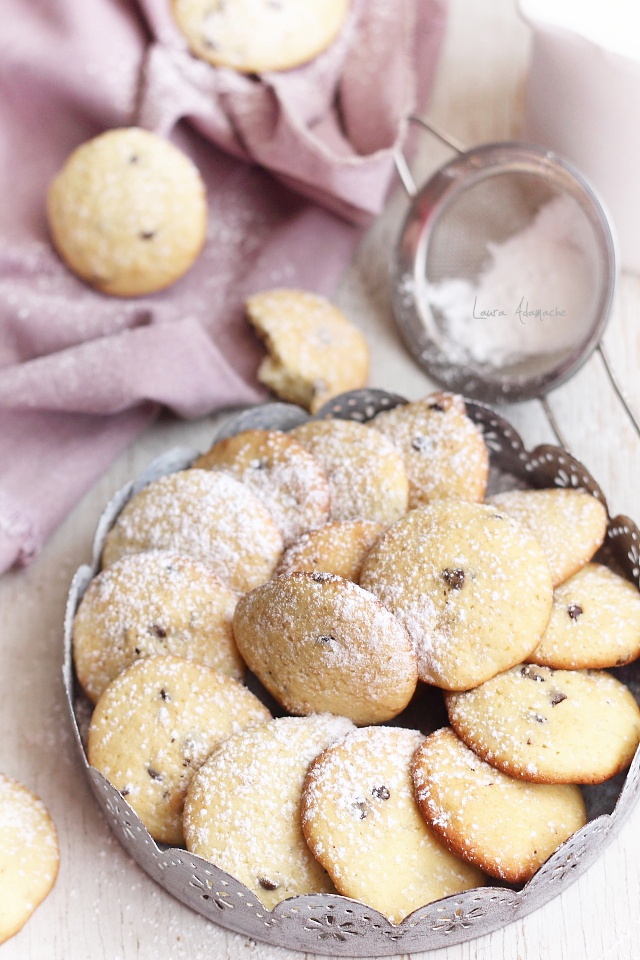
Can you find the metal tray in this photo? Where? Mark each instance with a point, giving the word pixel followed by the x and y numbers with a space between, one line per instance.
pixel 331 924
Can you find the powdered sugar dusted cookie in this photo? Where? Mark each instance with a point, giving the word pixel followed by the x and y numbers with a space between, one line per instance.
pixel 443 450
pixel 362 824
pixel 207 515
pixel 254 36
pixel 471 586
pixel 570 525
pixel 504 826
pixel 320 643
pixel 281 473
pixel 148 604
pixel 243 808
pixel 366 474
pixel 595 622
pixel 29 855
pixel 128 212
pixel 314 353
pixel 549 726
pixel 337 548
pixel 156 724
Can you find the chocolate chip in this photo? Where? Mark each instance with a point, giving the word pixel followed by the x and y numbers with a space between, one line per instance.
pixel 147 234
pixel 360 806
pixel 538 718
pixel 209 44
pixel 164 694
pixel 268 884
pixel 321 577
pixel 159 631
pixel 531 674
pixel 498 516
pixel 420 443
pixel 556 697
pixel 133 158
pixel 154 774
pixel 438 405
pixel 574 610
pixel 453 577
pixel 326 640
pixel 136 650
pixel 381 793
pixel 125 792
pixel 259 463
pixel 622 660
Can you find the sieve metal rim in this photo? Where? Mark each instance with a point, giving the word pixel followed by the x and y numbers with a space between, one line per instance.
pixel 410 257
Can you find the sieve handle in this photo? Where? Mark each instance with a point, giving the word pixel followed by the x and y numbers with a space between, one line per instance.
pixel 402 167
pixel 617 386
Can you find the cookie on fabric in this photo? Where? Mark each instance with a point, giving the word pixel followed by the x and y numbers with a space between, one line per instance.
pixel 149 604
pixel 471 586
pixel 156 724
pixel 549 726
pixel 319 643
pixel 505 827
pixel 595 622
pixel 366 474
pixel 570 525
pixel 128 212
pixel 361 822
pixel 281 472
pixel 29 855
pixel 443 449
pixel 314 352
pixel 243 807
pixel 338 548
pixel 256 36
pixel 207 515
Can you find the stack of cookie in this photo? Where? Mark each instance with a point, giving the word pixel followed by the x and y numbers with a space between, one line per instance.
pixel 355 569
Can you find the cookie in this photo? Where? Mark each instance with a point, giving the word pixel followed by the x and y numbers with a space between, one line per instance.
pixel 471 586
pixel 205 514
pixel 338 548
pixel 320 644
pixel 148 604
pixel 128 212
pixel 243 807
pixel 314 353
pixel 504 826
pixel 443 450
pixel 570 525
pixel 595 622
pixel 366 474
pixel 281 473
pixel 156 724
pixel 29 855
pixel 255 36
pixel 362 824
pixel 549 726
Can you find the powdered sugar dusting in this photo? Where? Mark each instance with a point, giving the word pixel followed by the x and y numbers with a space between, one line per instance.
pixel 280 472
pixel 156 724
pixel 362 823
pixel 243 808
pixel 365 471
pixel 207 515
pixel 152 603
pixel 314 639
pixel 443 450
pixel 507 827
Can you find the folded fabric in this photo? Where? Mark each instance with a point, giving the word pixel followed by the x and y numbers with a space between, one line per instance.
pixel 81 374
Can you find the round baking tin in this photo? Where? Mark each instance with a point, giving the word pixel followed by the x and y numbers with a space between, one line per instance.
pixel 331 924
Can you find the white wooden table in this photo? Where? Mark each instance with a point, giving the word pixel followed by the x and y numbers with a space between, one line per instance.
pixel 103 906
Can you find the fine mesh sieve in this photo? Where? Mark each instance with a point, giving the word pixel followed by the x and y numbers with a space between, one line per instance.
pixel 470 208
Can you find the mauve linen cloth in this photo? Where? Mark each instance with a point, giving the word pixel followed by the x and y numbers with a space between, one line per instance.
pixel 293 162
